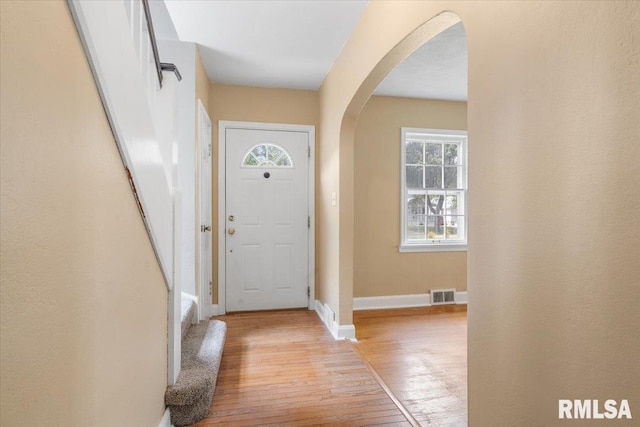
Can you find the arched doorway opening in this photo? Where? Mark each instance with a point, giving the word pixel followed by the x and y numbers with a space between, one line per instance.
pixel 409 234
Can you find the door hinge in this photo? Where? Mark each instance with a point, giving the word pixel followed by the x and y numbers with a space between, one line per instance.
pixel 210 288
pixel 308 222
pixel 209 149
pixel 308 292
pixel 309 151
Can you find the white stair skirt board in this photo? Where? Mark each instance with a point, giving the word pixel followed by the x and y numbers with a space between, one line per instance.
pixel 400 301
pixel 207 310
pixel 195 300
pixel 339 332
pixel 166 419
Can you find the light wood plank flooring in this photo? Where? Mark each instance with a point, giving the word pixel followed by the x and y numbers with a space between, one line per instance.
pixel 421 354
pixel 284 368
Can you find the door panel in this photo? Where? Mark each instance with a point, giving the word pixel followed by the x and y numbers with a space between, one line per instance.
pixel 266 242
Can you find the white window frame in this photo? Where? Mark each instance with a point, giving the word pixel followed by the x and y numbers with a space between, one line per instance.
pixel 431 245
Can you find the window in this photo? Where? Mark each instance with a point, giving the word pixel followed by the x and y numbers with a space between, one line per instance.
pixel 434 190
pixel 267 155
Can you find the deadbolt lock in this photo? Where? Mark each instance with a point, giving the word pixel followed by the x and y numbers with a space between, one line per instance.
pixel 232 218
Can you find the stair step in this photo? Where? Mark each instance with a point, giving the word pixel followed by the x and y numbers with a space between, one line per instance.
pixel 189 399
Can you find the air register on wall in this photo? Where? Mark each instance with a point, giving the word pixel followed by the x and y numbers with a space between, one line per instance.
pixel 443 296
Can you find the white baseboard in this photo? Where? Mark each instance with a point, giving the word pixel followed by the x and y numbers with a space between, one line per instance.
pixel 461 297
pixel 391 301
pixel 400 301
pixel 343 332
pixel 166 419
pixel 327 315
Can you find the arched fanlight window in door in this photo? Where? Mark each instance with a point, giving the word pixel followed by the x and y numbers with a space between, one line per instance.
pixel 267 155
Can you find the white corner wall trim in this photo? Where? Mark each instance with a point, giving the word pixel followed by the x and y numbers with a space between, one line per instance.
pixel 327 315
pixel 211 310
pixel 166 419
pixel 400 301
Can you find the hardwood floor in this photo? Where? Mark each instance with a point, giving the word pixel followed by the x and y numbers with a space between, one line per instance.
pixel 284 368
pixel 421 354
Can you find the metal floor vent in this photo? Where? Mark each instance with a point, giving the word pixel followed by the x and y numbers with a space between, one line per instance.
pixel 443 296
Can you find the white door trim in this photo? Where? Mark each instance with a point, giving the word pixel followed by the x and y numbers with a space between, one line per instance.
pixel 223 125
pixel 205 304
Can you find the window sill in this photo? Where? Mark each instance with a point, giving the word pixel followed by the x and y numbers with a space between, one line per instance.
pixel 451 247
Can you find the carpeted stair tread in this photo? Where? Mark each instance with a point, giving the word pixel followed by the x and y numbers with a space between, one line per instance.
pixel 190 388
pixel 189 399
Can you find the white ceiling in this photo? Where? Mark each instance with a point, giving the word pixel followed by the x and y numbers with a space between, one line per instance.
pixel 286 44
pixel 437 70
pixel 293 44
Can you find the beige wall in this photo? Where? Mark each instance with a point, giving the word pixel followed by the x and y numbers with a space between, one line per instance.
pixel 83 302
pixel 252 104
pixel 553 272
pixel 202 83
pixel 379 269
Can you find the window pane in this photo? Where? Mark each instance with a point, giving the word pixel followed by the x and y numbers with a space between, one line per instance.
pixel 416 227
pixel 452 177
pixel 414 176
pixel 451 154
pixel 454 227
pixel 250 160
pixel 416 217
pixel 414 153
pixel 433 177
pixel 415 204
pixel 274 153
pixel 433 154
pixel 283 161
pixel 435 227
pixel 435 204
pixel 260 153
pixel 453 204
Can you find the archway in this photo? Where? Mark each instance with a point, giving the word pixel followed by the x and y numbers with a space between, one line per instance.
pixel 428 347
pixel 342 273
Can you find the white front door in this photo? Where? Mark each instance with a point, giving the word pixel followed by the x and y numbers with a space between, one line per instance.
pixel 267 214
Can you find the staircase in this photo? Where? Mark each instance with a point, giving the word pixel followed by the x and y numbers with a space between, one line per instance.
pixel 189 399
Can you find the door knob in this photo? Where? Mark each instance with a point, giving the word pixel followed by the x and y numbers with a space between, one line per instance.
pixel 204 228
pixel 232 231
